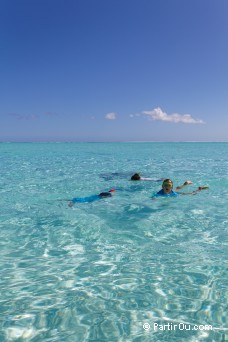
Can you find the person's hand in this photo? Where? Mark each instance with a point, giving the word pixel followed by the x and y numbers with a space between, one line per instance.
pixel 202 188
pixel 187 182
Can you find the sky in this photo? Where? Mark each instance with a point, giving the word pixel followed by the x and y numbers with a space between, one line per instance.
pixel 114 70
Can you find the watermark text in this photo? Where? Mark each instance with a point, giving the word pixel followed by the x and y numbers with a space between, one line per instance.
pixel 179 326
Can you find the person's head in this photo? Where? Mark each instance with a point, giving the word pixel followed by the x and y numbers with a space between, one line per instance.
pixel 167 186
pixel 107 194
pixel 136 176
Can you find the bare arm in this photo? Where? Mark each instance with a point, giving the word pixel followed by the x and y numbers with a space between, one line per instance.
pixel 195 191
pixel 181 186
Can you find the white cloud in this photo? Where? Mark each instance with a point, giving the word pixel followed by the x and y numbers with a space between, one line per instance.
pixel 110 116
pixel 158 114
pixel 134 115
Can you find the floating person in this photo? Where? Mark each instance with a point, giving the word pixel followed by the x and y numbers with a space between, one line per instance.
pixel 92 198
pixel 137 177
pixel 114 175
pixel 167 189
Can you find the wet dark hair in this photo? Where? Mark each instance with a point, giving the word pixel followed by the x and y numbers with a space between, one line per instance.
pixel 167 181
pixel 105 194
pixel 136 176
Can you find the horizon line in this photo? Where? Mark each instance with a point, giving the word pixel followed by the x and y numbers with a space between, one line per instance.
pixel 129 141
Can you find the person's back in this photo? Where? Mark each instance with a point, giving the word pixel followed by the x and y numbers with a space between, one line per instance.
pixel 90 199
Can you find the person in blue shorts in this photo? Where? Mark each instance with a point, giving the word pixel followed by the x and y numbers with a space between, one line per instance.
pixel 167 189
pixel 90 199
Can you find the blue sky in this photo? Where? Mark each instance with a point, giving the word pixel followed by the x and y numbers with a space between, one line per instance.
pixel 114 70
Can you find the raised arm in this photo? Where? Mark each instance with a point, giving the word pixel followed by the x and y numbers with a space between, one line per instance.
pixel 181 186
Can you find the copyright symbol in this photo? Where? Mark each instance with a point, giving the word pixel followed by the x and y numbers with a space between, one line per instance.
pixel 146 326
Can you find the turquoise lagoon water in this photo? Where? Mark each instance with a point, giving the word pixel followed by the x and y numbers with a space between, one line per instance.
pixel 113 269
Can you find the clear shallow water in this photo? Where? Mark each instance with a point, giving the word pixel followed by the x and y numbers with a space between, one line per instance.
pixel 99 271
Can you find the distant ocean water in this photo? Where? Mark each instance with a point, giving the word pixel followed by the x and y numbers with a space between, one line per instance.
pixel 114 269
